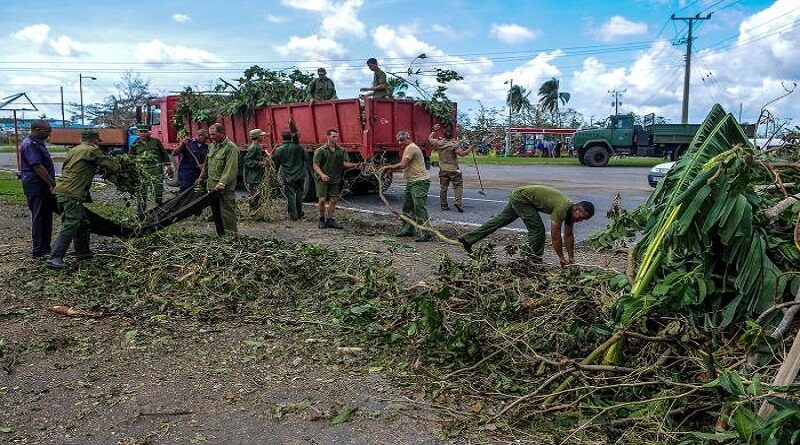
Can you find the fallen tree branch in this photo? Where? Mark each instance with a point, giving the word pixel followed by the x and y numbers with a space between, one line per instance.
pixel 773 213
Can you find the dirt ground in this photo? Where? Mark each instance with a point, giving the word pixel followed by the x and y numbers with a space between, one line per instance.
pixel 111 381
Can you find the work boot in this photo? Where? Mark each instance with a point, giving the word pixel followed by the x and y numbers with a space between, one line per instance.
pixel 55 263
pixel 423 238
pixel 82 250
pixel 321 224
pixel 459 208
pixel 445 209
pixel 332 224
pixel 467 246
pixel 57 252
pixel 402 234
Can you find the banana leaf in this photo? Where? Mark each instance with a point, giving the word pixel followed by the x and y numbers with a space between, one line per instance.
pixel 705 222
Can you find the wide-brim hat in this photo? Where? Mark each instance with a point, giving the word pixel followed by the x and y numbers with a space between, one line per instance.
pixel 257 133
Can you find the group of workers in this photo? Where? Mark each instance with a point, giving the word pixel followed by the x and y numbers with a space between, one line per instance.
pixel 212 160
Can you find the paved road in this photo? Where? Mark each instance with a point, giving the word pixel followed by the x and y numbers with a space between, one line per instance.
pixel 598 185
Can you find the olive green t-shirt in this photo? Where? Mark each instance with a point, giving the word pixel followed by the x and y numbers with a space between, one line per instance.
pixel 380 78
pixel 321 89
pixel 79 168
pixel 331 162
pixel 545 199
pixel 416 165
pixel 292 161
pixel 448 158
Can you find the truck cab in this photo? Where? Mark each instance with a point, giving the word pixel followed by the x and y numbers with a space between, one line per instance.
pixel 618 135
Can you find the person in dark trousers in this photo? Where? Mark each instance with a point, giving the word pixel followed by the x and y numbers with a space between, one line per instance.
pixel 290 160
pixel 38 181
pixel 526 202
pixel 79 168
pixel 192 153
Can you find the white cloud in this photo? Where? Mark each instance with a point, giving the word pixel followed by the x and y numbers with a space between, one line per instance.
pixel 313 46
pixel 40 35
pixel 343 18
pixel 308 5
pixel 618 26
pixel 275 18
pixel 181 18
pixel 157 52
pixel 512 33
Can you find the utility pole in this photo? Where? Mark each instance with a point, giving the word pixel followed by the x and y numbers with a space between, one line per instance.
pixel 63 117
pixel 510 84
pixel 616 102
pixel 80 87
pixel 688 71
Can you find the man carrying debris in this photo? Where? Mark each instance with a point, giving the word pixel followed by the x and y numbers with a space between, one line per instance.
pixel 253 171
pixel 38 181
pixel 329 166
pixel 321 88
pixel 71 192
pixel 220 173
pixel 156 163
pixel 192 154
pixel 418 182
pixel 449 152
pixel 380 86
pixel 290 158
pixel 526 202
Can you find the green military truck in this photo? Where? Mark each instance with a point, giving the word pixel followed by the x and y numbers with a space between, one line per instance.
pixel 620 135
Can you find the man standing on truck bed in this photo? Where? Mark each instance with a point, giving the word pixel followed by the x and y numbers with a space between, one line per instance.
pixel 79 168
pixel 193 154
pixel 220 171
pixel 418 182
pixel 156 163
pixel 380 86
pixel 329 166
pixel 526 202
pixel 38 181
pixel 321 88
pixel 448 167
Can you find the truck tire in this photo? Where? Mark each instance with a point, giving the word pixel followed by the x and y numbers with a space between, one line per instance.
pixel 596 156
pixel 580 158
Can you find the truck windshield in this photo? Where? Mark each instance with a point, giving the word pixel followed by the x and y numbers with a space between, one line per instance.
pixel 155 115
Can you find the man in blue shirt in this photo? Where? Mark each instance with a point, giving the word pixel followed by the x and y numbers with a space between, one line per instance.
pixel 38 181
pixel 193 154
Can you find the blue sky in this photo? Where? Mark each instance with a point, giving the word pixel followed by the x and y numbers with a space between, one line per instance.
pixel 742 55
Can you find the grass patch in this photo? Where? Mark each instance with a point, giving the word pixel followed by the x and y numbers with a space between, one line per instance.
pixel 11 189
pixel 517 160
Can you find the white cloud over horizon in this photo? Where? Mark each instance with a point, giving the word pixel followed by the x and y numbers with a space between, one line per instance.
pixel 617 27
pixel 156 52
pixel 512 33
pixel 181 18
pixel 39 35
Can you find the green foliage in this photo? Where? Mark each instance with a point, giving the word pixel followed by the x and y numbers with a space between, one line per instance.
pixel 437 103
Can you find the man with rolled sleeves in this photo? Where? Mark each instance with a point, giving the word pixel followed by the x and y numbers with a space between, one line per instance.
pixel 290 159
pixel 329 166
pixel 38 181
pixel 321 88
pixel 220 171
pixel 418 183
pixel 253 168
pixel 380 86
pixel 79 168
pixel 156 163
pixel 526 202
pixel 449 151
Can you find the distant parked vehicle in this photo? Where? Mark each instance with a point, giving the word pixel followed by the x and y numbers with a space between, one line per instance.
pixel 658 172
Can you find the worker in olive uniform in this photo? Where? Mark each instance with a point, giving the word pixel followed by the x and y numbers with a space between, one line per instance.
pixel 329 166
pixel 418 183
pixel 220 171
pixel 290 159
pixel 253 169
pixel 71 192
pixel 526 202
pixel 321 88
pixel 155 162
pixel 380 86
pixel 449 172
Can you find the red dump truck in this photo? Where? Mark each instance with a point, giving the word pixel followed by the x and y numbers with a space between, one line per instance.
pixel 367 129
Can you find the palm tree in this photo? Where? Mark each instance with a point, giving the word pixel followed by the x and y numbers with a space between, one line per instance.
pixel 550 96
pixel 517 99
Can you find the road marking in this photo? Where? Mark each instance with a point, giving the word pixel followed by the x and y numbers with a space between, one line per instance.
pixel 447 221
pixel 476 199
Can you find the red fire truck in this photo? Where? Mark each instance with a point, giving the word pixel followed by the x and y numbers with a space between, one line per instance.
pixel 367 129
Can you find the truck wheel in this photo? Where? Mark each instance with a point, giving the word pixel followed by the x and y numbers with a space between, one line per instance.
pixel 596 156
